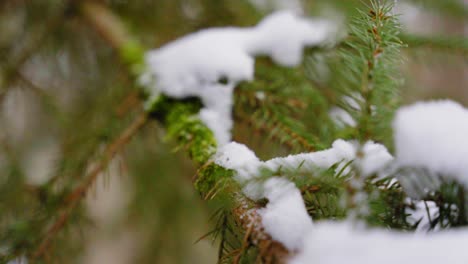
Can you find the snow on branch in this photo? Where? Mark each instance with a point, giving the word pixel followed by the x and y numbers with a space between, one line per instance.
pixel 285 217
pixel 208 64
pixel 432 136
pixel 286 220
pixel 337 243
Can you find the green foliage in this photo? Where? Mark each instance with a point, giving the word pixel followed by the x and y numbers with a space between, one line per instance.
pixel 79 90
pixel 282 101
pixel 371 78
pixel 387 204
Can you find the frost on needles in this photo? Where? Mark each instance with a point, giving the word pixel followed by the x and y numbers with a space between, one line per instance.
pixel 210 63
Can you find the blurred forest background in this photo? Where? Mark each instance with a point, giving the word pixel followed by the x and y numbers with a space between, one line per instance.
pixel 65 94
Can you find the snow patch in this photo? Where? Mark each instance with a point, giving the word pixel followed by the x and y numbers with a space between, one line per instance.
pixel 209 64
pixel 433 136
pixel 369 159
pixel 372 158
pixel 285 217
pixel 422 214
pixel 337 243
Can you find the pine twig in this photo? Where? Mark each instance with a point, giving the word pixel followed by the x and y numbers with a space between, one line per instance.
pixel 73 200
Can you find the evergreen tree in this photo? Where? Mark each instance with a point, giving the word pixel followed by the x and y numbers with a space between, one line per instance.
pixel 121 132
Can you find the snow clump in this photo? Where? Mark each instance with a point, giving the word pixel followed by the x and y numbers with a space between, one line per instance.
pixel 285 217
pixel 433 136
pixel 210 63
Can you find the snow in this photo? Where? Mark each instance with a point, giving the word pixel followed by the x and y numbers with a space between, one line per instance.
pixel 337 243
pixel 285 217
pixel 433 136
pixel 369 159
pixel 372 158
pixel 238 157
pixel 423 212
pixel 340 152
pixel 208 64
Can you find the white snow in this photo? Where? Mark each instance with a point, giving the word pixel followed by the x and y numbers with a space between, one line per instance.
pixel 424 212
pixel 433 136
pixel 285 217
pixel 208 64
pixel 369 159
pixel 338 243
pixel 238 157
pixel 340 152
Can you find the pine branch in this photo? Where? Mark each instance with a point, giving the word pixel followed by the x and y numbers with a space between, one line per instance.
pixel 75 197
pixel 276 130
pixel 371 78
pixel 182 125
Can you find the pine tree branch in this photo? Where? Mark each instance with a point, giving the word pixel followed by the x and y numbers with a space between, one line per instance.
pixel 74 199
pixel 293 141
pixel 182 125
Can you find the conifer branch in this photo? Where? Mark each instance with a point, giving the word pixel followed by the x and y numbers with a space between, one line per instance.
pixel 292 142
pixel 75 197
pixel 198 141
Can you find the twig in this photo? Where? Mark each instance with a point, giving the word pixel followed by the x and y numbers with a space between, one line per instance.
pixel 77 195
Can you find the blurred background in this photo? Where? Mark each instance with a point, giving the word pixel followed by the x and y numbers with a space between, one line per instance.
pixel 64 94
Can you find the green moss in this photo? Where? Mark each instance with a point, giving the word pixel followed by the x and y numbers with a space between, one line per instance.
pixel 186 128
pixel 183 125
